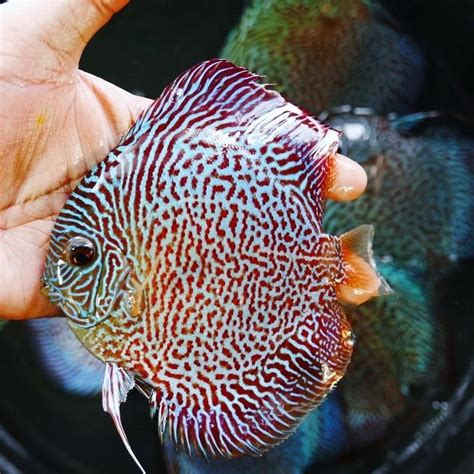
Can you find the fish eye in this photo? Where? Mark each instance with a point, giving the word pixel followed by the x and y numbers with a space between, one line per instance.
pixel 80 251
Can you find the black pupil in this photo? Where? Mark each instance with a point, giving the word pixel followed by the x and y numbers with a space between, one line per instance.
pixel 81 253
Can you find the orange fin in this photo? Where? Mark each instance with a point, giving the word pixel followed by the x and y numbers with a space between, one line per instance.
pixel 362 280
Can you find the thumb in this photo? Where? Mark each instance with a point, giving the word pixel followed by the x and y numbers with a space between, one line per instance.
pixel 55 32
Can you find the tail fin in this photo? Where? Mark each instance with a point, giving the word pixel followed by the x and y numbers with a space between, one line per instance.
pixel 362 281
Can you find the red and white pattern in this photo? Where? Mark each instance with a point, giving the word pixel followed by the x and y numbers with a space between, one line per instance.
pixel 216 286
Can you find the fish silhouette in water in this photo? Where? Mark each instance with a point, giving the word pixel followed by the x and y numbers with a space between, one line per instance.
pixel 193 263
pixel 64 359
pixel 400 351
pixel 324 53
pixel 421 177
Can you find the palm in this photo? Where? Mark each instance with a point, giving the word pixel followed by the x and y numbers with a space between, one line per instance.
pixel 56 122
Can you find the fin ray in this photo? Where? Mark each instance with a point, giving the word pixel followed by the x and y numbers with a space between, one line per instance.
pixel 362 281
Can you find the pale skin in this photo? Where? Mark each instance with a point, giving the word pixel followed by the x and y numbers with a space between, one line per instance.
pixel 56 122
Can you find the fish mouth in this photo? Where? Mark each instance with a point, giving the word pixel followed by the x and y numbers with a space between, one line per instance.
pixel 44 288
pixel 48 290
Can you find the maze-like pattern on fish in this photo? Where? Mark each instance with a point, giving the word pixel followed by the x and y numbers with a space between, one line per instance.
pixel 214 284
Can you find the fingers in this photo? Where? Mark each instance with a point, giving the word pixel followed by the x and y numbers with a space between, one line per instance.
pixel 20 296
pixel 77 21
pixel 349 180
pixel 61 28
pixel 15 310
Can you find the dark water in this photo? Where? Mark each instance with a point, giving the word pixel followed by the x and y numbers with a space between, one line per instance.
pixel 43 430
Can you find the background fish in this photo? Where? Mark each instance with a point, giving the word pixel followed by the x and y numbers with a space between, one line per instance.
pixel 421 177
pixel 192 259
pixel 400 353
pixel 65 360
pixel 324 53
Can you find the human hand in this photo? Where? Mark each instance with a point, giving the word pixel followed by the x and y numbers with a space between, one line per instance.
pixel 57 122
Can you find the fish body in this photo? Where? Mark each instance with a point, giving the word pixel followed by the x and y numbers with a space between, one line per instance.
pixel 399 349
pixel 400 352
pixel 193 263
pixel 324 53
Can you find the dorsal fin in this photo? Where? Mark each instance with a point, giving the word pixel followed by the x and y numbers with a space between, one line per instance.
pixel 218 86
pixel 225 105
pixel 417 123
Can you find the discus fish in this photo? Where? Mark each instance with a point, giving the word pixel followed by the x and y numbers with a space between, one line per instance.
pixel 324 53
pixel 193 263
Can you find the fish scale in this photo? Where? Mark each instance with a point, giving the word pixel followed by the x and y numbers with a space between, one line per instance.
pixel 213 284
